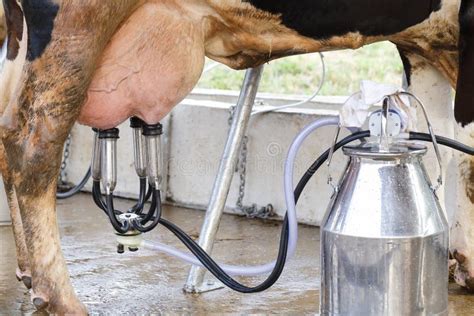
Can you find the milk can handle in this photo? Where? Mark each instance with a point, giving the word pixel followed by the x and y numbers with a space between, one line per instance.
pixel 384 124
pixel 331 154
pixel 433 136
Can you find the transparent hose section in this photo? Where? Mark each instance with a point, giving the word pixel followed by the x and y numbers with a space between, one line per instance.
pixel 307 100
pixel 214 65
pixel 290 204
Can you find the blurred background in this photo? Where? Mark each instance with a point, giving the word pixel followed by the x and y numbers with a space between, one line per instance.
pixel 301 74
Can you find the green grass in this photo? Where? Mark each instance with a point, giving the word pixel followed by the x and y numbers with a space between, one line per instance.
pixel 301 74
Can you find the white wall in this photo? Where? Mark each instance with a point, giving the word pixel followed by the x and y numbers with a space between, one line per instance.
pixel 4 211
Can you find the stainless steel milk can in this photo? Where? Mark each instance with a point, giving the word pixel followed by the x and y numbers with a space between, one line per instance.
pixel 384 239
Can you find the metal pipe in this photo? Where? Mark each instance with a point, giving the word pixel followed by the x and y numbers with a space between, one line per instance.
pixel 3 53
pixel 225 173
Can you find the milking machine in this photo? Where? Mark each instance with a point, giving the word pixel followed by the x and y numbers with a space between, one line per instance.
pixel 148 165
pixel 384 238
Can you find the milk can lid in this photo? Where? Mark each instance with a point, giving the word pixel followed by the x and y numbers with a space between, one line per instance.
pixel 394 150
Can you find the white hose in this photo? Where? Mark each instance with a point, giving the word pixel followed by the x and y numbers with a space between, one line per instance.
pixel 310 98
pixel 210 67
pixel 288 177
pixel 213 65
pixel 290 204
pixel 189 258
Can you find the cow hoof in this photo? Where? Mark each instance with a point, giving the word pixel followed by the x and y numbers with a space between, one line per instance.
pixel 470 285
pixel 24 277
pixel 26 281
pixel 452 266
pixel 459 257
pixel 40 303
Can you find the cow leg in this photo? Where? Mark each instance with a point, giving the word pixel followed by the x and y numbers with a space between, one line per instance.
pixel 427 83
pixel 462 232
pixel 434 89
pixel 11 71
pixel 35 184
pixel 65 41
pixel 23 272
pixel 33 152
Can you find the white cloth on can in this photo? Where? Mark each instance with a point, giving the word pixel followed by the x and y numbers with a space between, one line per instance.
pixel 355 110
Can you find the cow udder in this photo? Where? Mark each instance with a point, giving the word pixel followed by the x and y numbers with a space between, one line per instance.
pixel 152 62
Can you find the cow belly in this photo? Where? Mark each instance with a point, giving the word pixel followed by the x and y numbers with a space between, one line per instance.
pixel 152 62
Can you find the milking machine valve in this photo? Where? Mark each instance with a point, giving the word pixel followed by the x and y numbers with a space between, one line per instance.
pixel 148 166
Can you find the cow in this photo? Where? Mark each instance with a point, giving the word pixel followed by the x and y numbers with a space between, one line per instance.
pixel 99 62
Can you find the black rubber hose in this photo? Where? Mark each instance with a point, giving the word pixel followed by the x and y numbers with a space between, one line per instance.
pixel 149 192
pixel 121 228
pixel 443 141
pixel 320 161
pixel 220 274
pixel 217 271
pixel 138 208
pixel 154 214
pixel 231 283
pixel 76 189
pixel 97 196
pixel 155 202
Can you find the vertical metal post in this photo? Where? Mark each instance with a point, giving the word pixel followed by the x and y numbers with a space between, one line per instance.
pixel 224 176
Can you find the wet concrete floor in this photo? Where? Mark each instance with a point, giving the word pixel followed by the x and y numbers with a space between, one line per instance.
pixel 146 282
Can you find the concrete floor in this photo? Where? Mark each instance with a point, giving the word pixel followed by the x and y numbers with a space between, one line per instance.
pixel 151 283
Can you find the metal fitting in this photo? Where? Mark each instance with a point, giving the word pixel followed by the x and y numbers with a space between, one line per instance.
pixel 108 139
pixel 138 146
pixel 132 240
pixel 152 129
pixel 95 164
pixel 148 162
pixel 154 154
